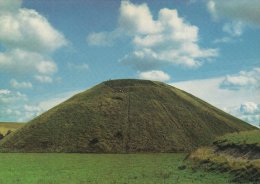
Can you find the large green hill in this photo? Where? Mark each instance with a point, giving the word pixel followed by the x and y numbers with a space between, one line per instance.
pixel 122 116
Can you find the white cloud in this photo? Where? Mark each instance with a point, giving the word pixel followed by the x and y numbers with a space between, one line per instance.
pixel 18 61
pixel 240 13
pixel 20 85
pixel 30 108
pixel 154 75
pixel 43 78
pixel 244 79
pixel 29 30
pixel 137 19
pixel 4 91
pixel 237 10
pixel 250 108
pixel 31 111
pixel 28 40
pixel 248 111
pixel 168 40
pixel 234 28
pixel 231 101
pixel 8 97
pixel 212 8
pixel 46 67
pixel 14 106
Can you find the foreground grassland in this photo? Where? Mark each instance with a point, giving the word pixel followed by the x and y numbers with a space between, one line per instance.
pixel 5 126
pixel 101 169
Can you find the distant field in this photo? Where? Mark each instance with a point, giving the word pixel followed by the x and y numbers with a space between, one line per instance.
pixel 244 137
pixel 100 169
pixel 5 126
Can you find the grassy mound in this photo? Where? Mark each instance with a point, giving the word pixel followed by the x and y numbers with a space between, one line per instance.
pixel 123 116
pixel 237 154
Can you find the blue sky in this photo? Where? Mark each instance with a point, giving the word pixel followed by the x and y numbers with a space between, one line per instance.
pixel 51 50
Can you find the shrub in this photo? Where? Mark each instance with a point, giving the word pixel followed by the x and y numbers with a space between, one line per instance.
pixel 1 136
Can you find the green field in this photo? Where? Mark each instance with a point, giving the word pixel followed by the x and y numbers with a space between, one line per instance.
pixel 19 168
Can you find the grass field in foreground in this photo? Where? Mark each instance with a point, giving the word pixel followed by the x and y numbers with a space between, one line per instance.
pixel 19 168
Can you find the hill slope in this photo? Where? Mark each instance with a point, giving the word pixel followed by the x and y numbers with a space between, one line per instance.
pixel 122 116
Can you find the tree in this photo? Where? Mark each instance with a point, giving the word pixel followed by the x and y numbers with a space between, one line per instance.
pixel 8 132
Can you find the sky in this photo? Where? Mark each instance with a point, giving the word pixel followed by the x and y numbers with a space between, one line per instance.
pixel 52 50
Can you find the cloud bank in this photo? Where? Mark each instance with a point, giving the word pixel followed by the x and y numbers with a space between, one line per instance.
pixel 239 13
pixel 244 79
pixel 239 10
pixel 28 40
pixel 239 96
pixel 169 39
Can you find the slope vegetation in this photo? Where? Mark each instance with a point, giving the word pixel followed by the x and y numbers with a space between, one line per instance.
pixel 122 116
pixel 237 154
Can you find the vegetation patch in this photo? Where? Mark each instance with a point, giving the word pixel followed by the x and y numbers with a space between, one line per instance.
pixel 237 154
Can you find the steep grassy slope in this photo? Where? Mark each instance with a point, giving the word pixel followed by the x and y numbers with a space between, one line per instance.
pixel 5 126
pixel 237 154
pixel 122 116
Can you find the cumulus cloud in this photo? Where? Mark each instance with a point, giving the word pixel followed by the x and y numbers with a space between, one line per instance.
pixel 19 109
pixel 28 40
pixel 168 40
pixel 155 75
pixel 247 111
pixel 20 85
pixel 27 29
pixel 25 62
pixel 244 79
pixel 250 108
